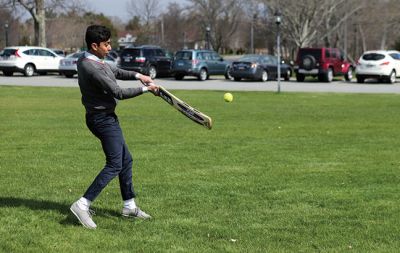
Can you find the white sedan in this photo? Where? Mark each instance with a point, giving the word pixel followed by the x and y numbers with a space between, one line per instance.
pixel 68 64
pixel 379 64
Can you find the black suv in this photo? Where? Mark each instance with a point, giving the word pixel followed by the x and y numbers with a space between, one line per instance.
pixel 148 60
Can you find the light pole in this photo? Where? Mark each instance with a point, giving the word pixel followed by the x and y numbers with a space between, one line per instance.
pixel 184 40
pixel 208 29
pixel 252 33
pixel 278 20
pixel 6 31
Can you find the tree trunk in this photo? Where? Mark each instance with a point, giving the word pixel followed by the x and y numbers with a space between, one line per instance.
pixel 40 23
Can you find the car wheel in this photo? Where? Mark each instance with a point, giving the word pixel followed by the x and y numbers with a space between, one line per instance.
pixel 264 76
pixel 237 78
pixel 203 75
pixel 392 77
pixel 300 77
pixel 69 75
pixel 329 75
pixel 29 70
pixel 287 75
pixel 179 77
pixel 349 75
pixel 8 73
pixel 152 72
pixel 228 74
pixel 360 79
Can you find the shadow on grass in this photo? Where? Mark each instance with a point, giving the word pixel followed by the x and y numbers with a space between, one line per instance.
pixel 46 205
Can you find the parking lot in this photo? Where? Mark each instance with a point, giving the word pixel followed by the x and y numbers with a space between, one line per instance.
pixel 219 83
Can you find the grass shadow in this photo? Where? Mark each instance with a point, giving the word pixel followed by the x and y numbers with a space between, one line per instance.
pixel 47 205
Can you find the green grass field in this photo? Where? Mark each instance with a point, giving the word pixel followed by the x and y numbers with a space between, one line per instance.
pixel 291 172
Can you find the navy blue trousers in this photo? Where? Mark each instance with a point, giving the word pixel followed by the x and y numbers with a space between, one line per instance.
pixel 105 126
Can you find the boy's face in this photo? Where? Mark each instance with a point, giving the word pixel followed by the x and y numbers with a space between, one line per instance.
pixel 102 49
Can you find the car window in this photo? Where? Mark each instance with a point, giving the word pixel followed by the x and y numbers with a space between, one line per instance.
pixel 207 56
pixel 8 52
pixel 200 56
pixel 395 56
pixel 159 52
pixel 183 55
pixel 249 58
pixel 373 57
pixel 148 52
pixel 31 52
pixel 43 52
pixel 215 56
pixel 263 60
pixel 131 52
pixel 328 53
pixel 316 53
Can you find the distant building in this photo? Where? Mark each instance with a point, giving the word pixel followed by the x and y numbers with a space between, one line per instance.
pixel 127 40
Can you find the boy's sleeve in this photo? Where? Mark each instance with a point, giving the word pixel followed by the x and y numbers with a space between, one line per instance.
pixel 100 78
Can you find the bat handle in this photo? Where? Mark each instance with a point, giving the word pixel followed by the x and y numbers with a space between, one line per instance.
pixel 145 84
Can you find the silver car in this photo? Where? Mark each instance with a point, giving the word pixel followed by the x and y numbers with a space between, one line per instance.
pixel 68 64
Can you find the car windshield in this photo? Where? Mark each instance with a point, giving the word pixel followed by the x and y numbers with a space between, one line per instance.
pixel 183 55
pixel 250 58
pixel 314 52
pixel 373 57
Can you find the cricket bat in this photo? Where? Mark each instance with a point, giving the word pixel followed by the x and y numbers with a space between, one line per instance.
pixel 184 108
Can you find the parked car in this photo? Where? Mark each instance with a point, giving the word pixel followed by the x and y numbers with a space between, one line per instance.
pixel 258 67
pixel 68 65
pixel 60 52
pixel 199 63
pixel 379 64
pixel 324 63
pixel 148 60
pixel 28 60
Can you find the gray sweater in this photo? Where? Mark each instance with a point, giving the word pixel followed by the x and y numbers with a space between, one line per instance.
pixel 98 84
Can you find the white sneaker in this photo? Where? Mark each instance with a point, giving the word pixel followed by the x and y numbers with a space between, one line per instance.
pixel 85 217
pixel 136 213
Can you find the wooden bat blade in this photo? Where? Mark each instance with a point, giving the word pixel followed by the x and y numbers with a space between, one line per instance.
pixel 190 112
pixel 185 109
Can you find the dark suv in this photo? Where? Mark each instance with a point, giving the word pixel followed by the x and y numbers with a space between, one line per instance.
pixel 149 60
pixel 324 63
pixel 199 63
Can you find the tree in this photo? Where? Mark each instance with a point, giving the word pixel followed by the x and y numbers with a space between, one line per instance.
pixel 146 10
pixel 222 16
pixel 178 28
pixel 37 10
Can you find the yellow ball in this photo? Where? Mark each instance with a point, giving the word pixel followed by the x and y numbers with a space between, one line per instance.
pixel 228 97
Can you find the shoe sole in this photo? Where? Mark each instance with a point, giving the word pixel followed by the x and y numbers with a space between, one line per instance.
pixel 77 216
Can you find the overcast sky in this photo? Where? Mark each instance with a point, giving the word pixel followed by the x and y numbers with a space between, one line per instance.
pixel 119 7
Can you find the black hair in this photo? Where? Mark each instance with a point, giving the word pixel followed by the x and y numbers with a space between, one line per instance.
pixel 96 34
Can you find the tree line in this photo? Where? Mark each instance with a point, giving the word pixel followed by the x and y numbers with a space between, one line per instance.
pixel 232 26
